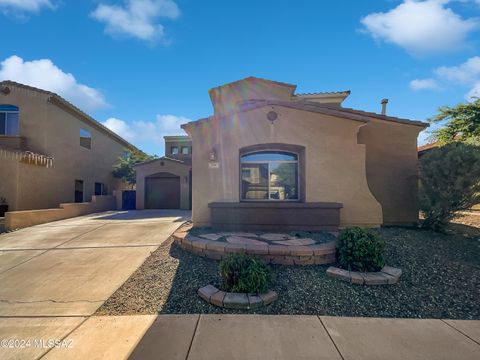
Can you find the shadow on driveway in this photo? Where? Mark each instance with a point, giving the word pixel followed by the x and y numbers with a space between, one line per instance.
pixel 180 215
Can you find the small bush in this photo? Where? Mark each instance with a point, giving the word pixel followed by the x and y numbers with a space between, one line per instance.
pixel 360 250
pixel 245 274
pixel 449 182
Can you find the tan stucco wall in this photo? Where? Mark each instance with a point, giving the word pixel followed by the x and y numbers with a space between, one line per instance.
pixel 22 219
pixel 334 169
pixel 179 144
pixel 51 131
pixel 392 168
pixel 154 167
pixel 226 97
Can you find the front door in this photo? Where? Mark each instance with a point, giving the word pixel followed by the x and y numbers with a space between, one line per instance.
pixel 79 191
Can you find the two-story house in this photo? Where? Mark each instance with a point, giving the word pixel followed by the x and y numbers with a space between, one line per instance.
pixel 166 182
pixel 51 152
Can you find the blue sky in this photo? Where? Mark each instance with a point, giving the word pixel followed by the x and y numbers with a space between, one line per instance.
pixel 145 66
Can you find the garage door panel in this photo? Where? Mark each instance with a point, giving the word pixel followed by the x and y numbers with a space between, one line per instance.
pixel 162 193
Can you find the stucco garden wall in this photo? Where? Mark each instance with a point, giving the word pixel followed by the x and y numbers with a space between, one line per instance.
pixel 21 219
pixel 334 161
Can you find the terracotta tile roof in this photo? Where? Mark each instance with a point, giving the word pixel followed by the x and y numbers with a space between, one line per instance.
pixel 427 146
pixel 58 100
pixel 165 158
pixel 380 116
pixel 352 114
pixel 345 92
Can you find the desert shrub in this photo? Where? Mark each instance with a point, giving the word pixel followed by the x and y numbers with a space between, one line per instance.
pixel 360 249
pixel 449 182
pixel 243 273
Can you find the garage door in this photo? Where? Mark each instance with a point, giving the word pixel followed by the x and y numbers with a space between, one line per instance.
pixel 162 193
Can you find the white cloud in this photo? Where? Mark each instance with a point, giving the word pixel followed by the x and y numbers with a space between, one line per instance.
pixel 137 19
pixel 466 74
pixel 421 27
pixel 463 73
pixel 474 92
pixel 26 5
pixel 148 135
pixel 45 75
pixel 424 84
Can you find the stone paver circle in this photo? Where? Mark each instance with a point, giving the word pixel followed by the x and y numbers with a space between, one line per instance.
pixel 289 251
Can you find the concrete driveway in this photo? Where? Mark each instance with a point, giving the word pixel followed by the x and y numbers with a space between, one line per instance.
pixel 70 267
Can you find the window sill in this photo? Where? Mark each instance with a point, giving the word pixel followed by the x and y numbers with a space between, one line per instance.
pixel 276 204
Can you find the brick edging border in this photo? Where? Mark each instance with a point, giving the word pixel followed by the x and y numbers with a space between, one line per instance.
pixel 229 300
pixel 317 254
pixel 386 276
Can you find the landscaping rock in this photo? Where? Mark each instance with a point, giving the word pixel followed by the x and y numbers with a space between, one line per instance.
pixel 356 278
pixel 275 237
pixel 207 291
pixel 213 237
pixel 269 297
pixel 338 273
pixel 376 278
pixel 217 298
pixel 241 234
pixel 396 273
pixel 300 250
pixel 323 249
pixel 278 250
pixel 257 249
pixel 200 244
pixel 293 242
pixel 255 301
pixel 235 301
pixel 238 240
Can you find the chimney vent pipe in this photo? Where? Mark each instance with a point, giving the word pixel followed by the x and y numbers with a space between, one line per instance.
pixel 384 106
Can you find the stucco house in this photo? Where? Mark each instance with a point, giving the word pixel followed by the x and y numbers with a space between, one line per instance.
pixel 165 183
pixel 269 158
pixel 51 152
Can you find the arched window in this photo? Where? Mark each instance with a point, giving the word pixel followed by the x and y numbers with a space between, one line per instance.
pixel 9 124
pixel 269 175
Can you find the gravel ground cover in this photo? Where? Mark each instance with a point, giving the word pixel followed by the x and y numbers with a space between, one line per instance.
pixel 441 279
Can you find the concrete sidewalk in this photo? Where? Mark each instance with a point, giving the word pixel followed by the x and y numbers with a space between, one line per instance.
pixel 243 337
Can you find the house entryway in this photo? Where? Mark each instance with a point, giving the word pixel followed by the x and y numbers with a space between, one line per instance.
pixel 162 191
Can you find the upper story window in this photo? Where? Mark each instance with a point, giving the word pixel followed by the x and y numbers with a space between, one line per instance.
pixel 9 120
pixel 174 150
pixel 85 139
pixel 269 175
pixel 185 150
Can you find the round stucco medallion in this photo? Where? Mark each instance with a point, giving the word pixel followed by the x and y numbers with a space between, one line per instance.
pixel 272 115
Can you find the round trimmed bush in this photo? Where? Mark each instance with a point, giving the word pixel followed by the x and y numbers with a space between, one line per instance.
pixel 244 274
pixel 360 249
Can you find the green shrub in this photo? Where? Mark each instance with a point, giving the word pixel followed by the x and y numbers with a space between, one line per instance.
pixel 245 274
pixel 360 250
pixel 449 182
